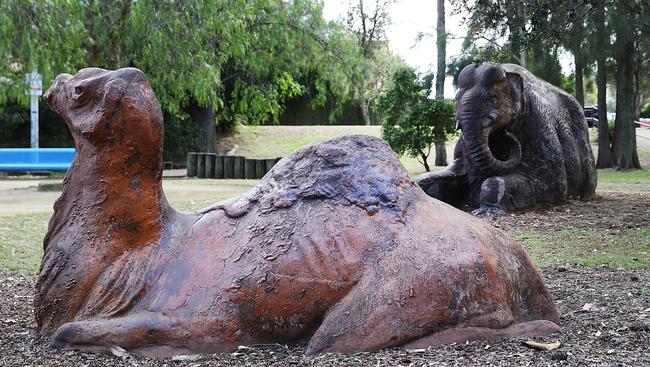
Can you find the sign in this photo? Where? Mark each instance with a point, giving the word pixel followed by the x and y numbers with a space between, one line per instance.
pixel 35 81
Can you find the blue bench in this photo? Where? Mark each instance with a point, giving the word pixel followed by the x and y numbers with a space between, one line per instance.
pixel 41 159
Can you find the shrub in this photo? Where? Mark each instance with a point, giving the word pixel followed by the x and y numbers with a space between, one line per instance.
pixel 412 122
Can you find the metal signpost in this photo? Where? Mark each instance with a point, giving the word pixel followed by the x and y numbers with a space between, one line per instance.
pixel 35 81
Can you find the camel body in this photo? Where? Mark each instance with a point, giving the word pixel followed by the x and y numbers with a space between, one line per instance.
pixel 336 244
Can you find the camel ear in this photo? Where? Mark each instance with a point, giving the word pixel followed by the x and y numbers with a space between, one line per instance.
pixel 516 83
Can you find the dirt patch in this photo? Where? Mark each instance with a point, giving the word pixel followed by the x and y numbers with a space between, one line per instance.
pixel 608 210
pixel 616 334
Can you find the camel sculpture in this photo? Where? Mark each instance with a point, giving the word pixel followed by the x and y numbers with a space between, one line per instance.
pixel 336 244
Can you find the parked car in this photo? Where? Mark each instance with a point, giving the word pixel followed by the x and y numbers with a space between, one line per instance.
pixel 591 115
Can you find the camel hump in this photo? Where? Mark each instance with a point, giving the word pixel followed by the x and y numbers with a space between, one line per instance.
pixel 355 170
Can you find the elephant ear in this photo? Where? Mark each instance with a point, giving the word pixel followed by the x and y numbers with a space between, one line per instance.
pixel 516 82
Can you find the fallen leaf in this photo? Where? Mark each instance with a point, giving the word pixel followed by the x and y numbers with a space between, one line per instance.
pixel 119 351
pixel 186 357
pixel 541 346
pixel 590 307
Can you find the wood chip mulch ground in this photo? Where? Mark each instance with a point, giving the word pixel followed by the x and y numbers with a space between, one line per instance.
pixel 605 314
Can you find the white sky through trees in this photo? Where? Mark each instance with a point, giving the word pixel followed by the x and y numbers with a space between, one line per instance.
pixel 408 19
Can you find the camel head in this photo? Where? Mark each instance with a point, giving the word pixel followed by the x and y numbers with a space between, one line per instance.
pixel 108 108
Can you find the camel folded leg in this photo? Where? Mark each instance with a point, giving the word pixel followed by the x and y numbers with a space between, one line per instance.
pixel 135 329
pixel 470 333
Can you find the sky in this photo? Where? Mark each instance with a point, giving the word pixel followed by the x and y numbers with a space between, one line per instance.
pixel 408 18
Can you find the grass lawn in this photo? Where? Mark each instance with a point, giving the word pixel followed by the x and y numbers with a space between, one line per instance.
pixel 625 248
pixel 21 241
pixel 613 180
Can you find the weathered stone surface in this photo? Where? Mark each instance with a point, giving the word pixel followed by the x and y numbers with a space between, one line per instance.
pixel 523 142
pixel 336 244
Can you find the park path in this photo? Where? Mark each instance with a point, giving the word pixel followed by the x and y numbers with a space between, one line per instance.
pixel 21 196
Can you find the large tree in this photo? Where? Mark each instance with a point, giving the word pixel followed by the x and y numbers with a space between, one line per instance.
pixel 368 22
pixel 441 43
pixel 625 22
pixel 600 46
pixel 218 61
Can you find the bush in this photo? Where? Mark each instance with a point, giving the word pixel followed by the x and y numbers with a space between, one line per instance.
pixel 411 121
pixel 645 111
pixel 15 127
pixel 180 137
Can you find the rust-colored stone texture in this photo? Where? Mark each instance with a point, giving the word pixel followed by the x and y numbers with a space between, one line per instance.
pixel 336 244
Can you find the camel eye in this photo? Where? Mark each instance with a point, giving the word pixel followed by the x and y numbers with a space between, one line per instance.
pixel 79 90
pixel 81 94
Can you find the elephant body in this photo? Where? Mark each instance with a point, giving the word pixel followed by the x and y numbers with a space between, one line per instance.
pixel 336 244
pixel 523 142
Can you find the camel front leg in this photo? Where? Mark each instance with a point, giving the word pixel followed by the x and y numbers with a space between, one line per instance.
pixel 142 329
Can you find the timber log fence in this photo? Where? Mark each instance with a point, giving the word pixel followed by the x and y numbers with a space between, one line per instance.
pixel 211 165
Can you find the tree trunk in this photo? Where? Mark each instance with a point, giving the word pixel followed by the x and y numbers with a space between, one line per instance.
pixel 441 154
pixel 579 64
pixel 365 113
pixel 425 163
pixel 605 159
pixel 204 117
pixel 442 51
pixel 524 57
pixel 624 148
pixel 441 33
pixel 523 47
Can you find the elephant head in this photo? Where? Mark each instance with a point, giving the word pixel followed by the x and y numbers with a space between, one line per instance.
pixel 488 102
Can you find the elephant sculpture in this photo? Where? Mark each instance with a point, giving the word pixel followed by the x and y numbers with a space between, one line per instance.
pixel 523 142
pixel 336 244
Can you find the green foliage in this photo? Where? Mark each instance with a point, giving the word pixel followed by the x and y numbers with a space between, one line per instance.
pixel 241 58
pixel 412 121
pixel 546 65
pixel 473 54
pixel 180 137
pixel 645 111
pixel 375 63
pixel 15 127
pixel 568 83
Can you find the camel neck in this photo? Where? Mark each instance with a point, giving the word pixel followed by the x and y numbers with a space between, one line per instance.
pixel 116 192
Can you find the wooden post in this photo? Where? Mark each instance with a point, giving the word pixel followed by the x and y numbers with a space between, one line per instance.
pixel 210 160
pixel 191 164
pixel 260 168
pixel 229 167
pixel 239 168
pixel 249 168
pixel 200 165
pixel 269 164
pixel 219 171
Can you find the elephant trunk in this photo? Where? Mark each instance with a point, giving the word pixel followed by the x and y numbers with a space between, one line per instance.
pixel 494 151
